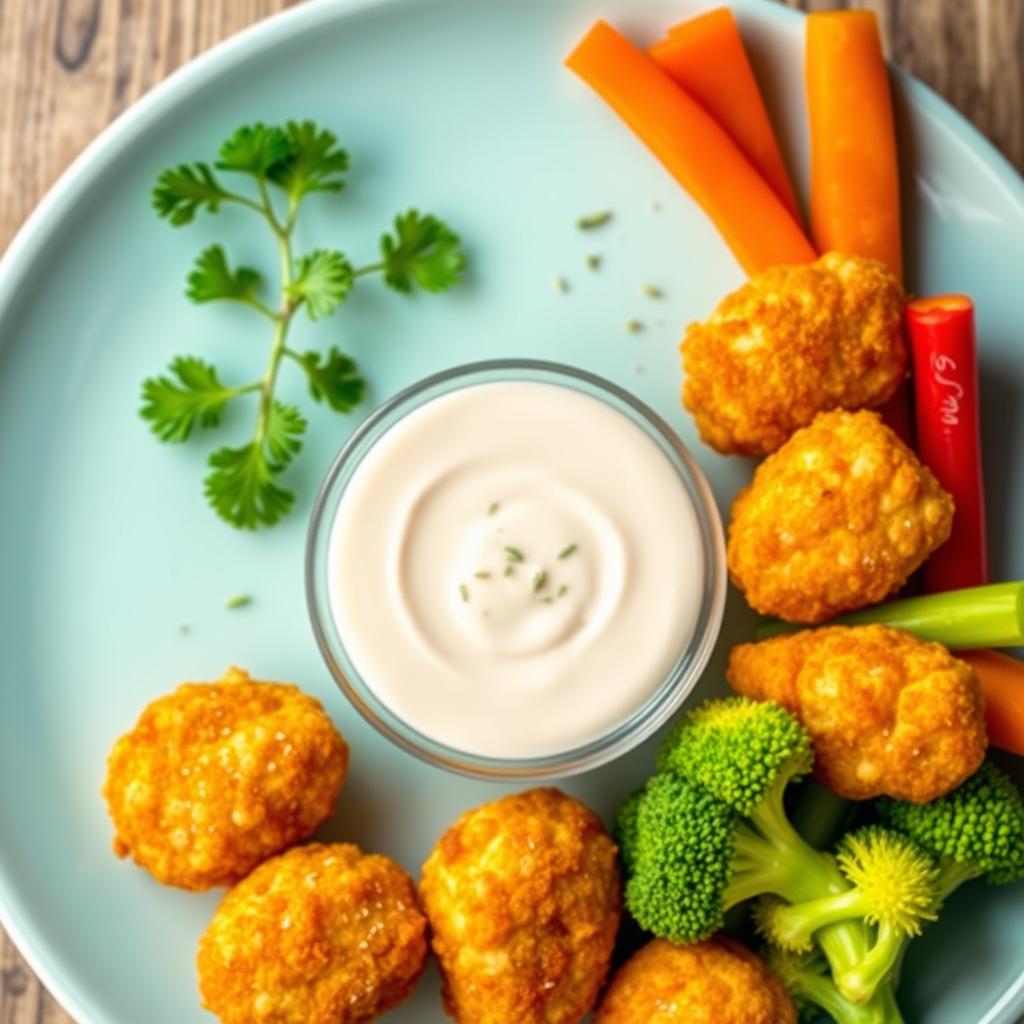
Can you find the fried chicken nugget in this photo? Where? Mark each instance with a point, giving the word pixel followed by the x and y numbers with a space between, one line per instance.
pixel 838 518
pixel 889 714
pixel 524 899
pixel 793 342
pixel 714 982
pixel 216 777
pixel 318 935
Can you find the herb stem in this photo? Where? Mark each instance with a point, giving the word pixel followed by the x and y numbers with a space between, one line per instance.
pixel 277 350
pixel 260 307
pixel 235 197
pixel 370 268
pixel 268 210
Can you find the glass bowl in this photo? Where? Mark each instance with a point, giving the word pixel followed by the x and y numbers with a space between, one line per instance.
pixel 649 715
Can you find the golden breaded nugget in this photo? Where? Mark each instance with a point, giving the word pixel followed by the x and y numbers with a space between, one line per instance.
pixel 713 982
pixel 838 518
pixel 524 899
pixel 793 342
pixel 889 714
pixel 319 935
pixel 216 777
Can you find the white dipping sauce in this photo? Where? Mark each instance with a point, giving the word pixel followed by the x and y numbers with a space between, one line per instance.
pixel 515 568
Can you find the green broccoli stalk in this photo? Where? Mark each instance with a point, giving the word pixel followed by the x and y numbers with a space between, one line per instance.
pixel 818 814
pixel 710 829
pixel 894 889
pixel 805 977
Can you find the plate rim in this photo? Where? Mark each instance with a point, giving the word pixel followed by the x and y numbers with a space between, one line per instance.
pixel 109 144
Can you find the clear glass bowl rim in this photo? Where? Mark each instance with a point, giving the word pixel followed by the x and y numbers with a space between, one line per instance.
pixel 627 734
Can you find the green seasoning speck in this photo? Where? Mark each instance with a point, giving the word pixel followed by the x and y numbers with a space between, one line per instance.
pixel 481 575
pixel 594 261
pixel 594 220
pixel 548 600
pixel 463 591
pixel 652 291
pixel 184 629
pixel 634 326
pixel 568 550
pixel 539 579
pixel 514 554
pixel 508 570
pixel 238 601
pixel 561 285
pixel 492 509
pixel 562 591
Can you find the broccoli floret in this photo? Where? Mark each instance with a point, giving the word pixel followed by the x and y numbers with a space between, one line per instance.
pixel 895 889
pixel 745 752
pixel 676 841
pixel 710 831
pixel 977 831
pixel 805 977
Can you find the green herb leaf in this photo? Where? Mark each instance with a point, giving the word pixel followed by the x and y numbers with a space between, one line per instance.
pixel 285 427
pixel 211 278
pixel 180 192
pixel 238 601
pixel 314 163
pixel 423 251
pixel 594 220
pixel 299 158
pixel 254 149
pixel 242 488
pixel 514 554
pixel 334 378
pixel 323 280
pixel 567 550
pixel 174 407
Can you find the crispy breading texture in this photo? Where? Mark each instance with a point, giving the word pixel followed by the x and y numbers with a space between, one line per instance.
pixel 838 518
pixel 889 714
pixel 790 343
pixel 524 900
pixel 717 981
pixel 216 777
pixel 318 935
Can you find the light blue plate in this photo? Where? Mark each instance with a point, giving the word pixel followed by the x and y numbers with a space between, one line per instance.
pixel 106 546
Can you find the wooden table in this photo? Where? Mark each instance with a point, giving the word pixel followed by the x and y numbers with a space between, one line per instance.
pixel 68 66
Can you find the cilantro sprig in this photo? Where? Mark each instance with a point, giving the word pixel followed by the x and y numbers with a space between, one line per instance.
pixel 279 166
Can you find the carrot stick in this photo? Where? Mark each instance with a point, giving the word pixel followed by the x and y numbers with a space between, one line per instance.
pixel 1002 682
pixel 694 148
pixel 944 350
pixel 705 56
pixel 855 189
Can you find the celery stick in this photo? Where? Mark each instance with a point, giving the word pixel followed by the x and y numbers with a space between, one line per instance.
pixel 989 616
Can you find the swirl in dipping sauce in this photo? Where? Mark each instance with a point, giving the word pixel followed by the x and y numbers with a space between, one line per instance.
pixel 515 568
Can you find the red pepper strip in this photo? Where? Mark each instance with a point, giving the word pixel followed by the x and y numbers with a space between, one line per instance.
pixel 944 352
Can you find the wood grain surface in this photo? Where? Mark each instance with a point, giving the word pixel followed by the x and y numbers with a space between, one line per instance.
pixel 67 67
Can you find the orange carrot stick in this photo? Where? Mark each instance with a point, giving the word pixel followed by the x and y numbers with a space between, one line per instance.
pixel 694 148
pixel 1002 683
pixel 855 200
pixel 706 57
